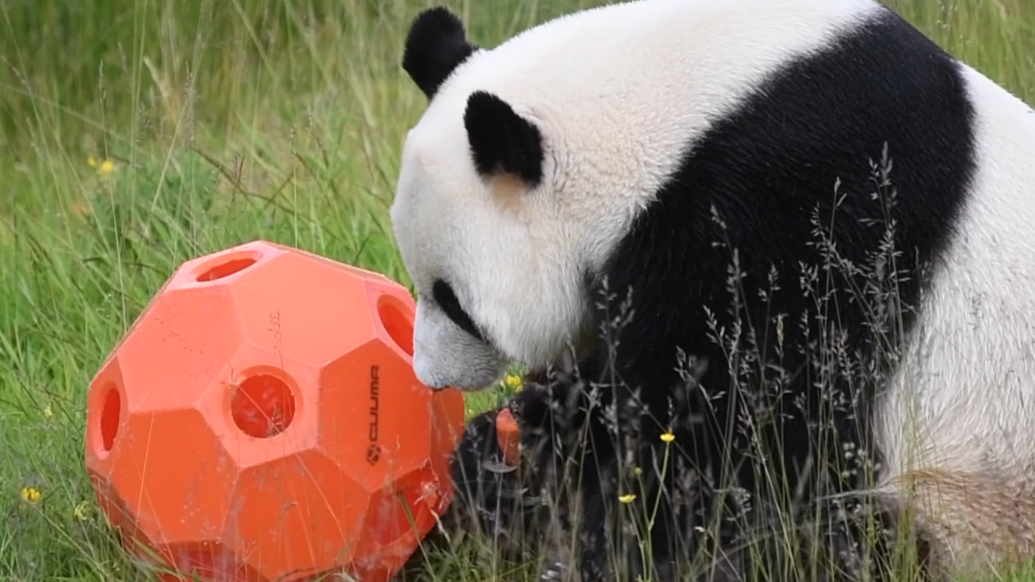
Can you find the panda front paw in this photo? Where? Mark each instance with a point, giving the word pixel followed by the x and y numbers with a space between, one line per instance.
pixel 515 501
pixel 487 495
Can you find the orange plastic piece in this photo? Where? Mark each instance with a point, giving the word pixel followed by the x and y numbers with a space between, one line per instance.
pixel 507 436
pixel 261 421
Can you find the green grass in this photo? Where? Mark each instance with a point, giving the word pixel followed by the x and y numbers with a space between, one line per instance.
pixel 227 121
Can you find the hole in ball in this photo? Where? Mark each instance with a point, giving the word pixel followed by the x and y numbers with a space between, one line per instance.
pixel 262 406
pixel 111 414
pixel 396 323
pixel 223 267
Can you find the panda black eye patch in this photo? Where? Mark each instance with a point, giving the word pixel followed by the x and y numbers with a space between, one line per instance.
pixel 444 296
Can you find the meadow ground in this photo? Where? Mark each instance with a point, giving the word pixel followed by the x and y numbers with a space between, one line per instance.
pixel 139 135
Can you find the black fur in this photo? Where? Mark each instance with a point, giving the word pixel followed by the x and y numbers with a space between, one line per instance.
pixel 435 46
pixel 443 294
pixel 798 161
pixel 501 140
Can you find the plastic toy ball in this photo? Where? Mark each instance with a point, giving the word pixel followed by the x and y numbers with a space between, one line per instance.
pixel 261 421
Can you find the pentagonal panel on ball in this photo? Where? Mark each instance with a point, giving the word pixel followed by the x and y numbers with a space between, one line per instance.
pixel 172 476
pixel 177 347
pixel 263 407
pixel 374 417
pixel 302 309
pixel 300 512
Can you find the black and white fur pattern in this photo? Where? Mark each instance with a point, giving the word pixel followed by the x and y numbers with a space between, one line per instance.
pixel 810 181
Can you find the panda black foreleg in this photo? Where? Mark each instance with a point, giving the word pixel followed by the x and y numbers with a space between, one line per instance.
pixel 488 495
pixel 600 466
pixel 525 510
pixel 565 478
pixel 557 436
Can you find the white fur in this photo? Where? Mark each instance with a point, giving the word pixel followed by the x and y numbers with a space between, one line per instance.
pixel 964 400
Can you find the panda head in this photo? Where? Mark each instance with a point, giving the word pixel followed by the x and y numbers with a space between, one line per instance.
pixel 497 248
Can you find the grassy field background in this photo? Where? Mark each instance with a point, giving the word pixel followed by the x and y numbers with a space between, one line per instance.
pixel 137 135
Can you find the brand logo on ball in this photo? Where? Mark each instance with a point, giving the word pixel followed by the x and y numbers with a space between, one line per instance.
pixel 374 449
pixel 373 454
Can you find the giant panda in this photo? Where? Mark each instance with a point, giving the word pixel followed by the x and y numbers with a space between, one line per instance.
pixel 768 264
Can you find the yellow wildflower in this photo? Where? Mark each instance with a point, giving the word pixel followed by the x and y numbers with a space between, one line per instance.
pixel 105 167
pixel 47 411
pixel 514 382
pixel 667 436
pixel 627 498
pixel 82 511
pixel 31 494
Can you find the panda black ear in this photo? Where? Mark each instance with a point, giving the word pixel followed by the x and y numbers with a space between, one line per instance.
pixel 435 46
pixel 501 140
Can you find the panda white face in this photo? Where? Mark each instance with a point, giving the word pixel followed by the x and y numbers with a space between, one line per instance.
pixel 494 282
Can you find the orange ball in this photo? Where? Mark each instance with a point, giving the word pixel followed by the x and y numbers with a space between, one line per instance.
pixel 261 421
